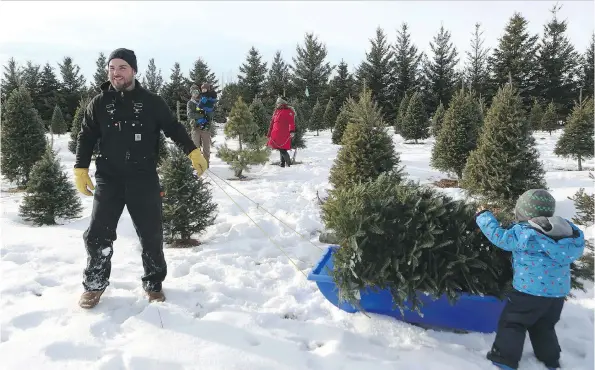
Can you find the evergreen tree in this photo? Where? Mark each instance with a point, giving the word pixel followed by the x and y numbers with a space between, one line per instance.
pixel 253 75
pixel 252 148
pixel 584 267
pixel 440 73
pixel 49 89
pixel 310 70
pixel 77 122
pixel 549 120
pixel 557 65
pixel 58 125
pixel 317 118
pixel 201 73
pixel 11 80
pixel 536 115
pixel 261 116
pixel 50 195
pixel 341 123
pixel 437 120
pixel 228 97
pixel 577 140
pixel 277 82
pixel 377 72
pixel 506 161
pixel 415 125
pixel 342 86
pixel 72 87
pixel 330 115
pixel 515 57
pixel 476 71
pixel 176 90
pixel 458 135
pixel 30 77
pixel 402 112
pixel 23 137
pixel 152 80
pixel 586 73
pixel 188 206
pixel 298 141
pixel 162 150
pixel 100 75
pixel 407 66
pixel 367 149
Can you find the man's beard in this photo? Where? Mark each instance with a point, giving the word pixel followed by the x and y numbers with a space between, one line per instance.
pixel 123 86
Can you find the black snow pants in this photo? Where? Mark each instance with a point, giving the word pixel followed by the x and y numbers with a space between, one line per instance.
pixel 285 158
pixel 141 195
pixel 537 315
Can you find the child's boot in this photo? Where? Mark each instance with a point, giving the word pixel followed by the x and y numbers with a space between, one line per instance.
pixel 502 366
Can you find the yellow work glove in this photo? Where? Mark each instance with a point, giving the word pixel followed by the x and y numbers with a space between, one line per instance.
pixel 82 181
pixel 198 161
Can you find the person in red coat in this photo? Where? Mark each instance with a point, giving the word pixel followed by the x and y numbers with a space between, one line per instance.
pixel 281 130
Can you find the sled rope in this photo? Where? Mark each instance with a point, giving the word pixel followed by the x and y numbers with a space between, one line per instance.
pixel 263 209
pixel 160 320
pixel 257 225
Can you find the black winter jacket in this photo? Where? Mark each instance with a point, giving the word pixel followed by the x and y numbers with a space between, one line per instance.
pixel 127 125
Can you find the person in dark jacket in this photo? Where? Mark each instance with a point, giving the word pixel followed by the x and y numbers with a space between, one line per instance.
pixel 199 110
pixel 127 120
pixel 543 246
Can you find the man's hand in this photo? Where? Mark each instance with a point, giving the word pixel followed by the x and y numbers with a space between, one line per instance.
pixel 292 135
pixel 198 161
pixel 83 181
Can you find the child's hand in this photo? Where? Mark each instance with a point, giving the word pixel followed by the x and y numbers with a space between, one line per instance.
pixel 480 209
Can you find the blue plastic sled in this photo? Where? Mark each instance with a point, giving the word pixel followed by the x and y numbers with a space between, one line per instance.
pixel 470 313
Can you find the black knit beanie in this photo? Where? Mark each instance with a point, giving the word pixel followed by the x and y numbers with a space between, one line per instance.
pixel 126 55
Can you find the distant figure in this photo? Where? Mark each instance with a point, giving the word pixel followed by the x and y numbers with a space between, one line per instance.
pixel 543 246
pixel 199 110
pixel 127 120
pixel 282 130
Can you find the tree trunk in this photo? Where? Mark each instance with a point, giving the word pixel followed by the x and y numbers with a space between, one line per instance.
pixel 238 173
pixel 580 163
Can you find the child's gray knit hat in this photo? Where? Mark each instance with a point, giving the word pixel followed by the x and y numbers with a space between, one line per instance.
pixel 534 203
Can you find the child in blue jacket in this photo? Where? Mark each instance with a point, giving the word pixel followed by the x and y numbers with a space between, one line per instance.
pixel 543 246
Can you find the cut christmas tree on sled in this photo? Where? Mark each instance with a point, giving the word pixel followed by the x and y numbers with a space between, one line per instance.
pixel 407 248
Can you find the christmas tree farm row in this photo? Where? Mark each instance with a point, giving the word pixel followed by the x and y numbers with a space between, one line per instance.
pixel 546 68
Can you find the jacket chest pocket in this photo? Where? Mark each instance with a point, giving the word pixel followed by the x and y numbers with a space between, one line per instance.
pixel 111 127
pixel 141 138
pixel 137 130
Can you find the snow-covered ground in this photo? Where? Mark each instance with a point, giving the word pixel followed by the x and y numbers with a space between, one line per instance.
pixel 237 301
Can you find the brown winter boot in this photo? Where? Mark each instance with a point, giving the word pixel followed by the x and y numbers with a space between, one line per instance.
pixel 90 298
pixel 155 296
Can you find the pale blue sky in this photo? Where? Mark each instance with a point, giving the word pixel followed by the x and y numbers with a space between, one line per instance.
pixel 222 32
